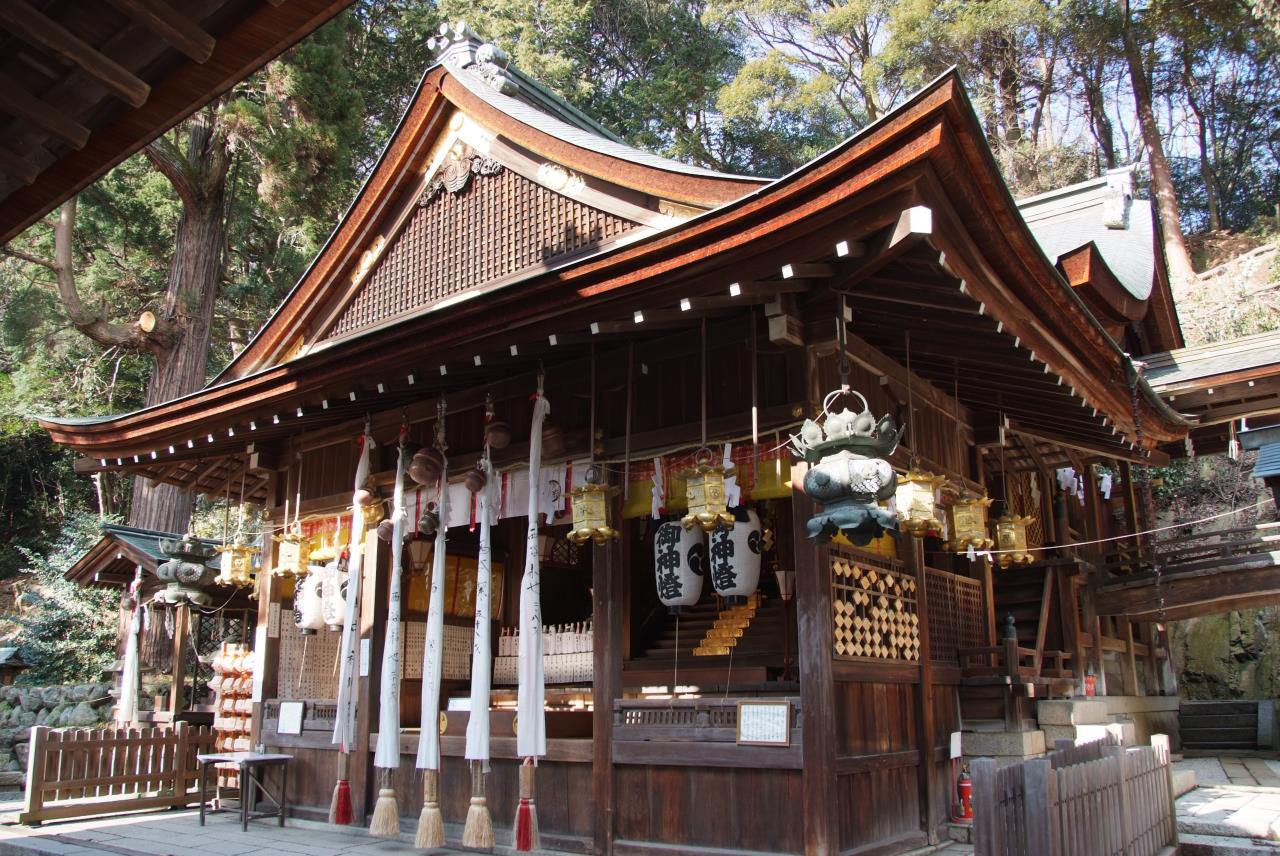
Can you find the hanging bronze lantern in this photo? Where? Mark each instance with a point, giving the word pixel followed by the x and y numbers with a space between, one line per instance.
pixel 967 524
pixel 591 510
pixel 917 498
pixel 704 490
pixel 236 564
pixel 1011 536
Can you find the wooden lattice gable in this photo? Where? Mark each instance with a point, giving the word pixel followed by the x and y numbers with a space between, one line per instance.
pixel 488 179
pixel 484 212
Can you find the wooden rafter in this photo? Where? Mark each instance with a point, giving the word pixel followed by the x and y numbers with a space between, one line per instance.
pixel 171 25
pixel 24 21
pixel 14 99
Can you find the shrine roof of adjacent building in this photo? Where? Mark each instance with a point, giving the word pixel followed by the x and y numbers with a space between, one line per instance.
pixel 500 229
pixel 122 549
pixel 1106 243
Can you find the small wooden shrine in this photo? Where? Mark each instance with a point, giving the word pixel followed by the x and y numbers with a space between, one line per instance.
pixel 833 450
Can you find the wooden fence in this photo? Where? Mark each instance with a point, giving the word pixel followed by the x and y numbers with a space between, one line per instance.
pixel 77 772
pixel 1094 801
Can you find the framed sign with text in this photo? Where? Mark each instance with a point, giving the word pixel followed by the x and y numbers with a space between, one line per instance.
pixel 764 723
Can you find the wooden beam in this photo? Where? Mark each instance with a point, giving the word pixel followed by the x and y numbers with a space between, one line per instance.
pixel 171 25
pixel 15 166
pixel 24 21
pixel 14 99
pixel 1141 598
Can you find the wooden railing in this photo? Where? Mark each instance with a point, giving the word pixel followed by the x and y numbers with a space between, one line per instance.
pixel 79 772
pixel 1119 802
pixel 1238 547
pixel 697 732
pixel 1011 660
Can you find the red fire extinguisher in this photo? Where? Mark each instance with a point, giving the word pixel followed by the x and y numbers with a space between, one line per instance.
pixel 1090 684
pixel 964 790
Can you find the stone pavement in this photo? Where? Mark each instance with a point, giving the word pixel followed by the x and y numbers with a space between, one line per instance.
pixel 170 833
pixel 1235 810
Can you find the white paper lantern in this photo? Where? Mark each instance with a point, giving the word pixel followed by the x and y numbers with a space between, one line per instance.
pixel 735 559
pixel 680 563
pixel 333 594
pixel 308 605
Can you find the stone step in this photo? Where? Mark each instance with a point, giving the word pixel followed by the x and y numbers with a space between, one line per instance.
pixel 1223 845
pixel 1088 733
pixel 1006 744
pixel 1072 711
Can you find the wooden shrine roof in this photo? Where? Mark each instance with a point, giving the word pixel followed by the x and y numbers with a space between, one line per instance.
pixel 83 85
pixel 909 218
pixel 112 560
pixel 1106 243
pixel 1220 383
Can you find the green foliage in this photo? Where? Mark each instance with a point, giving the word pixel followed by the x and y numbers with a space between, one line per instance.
pixel 67 632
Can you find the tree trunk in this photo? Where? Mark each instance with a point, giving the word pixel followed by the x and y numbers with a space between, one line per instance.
pixel 195 275
pixel 1181 271
pixel 1206 168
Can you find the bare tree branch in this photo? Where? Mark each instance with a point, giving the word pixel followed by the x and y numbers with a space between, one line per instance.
pixel 27 257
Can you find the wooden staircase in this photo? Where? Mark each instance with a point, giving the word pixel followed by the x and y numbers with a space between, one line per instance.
pixel 725 631
pixel 708 638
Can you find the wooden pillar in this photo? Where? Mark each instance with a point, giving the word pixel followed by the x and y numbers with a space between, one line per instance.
pixel 813 650
pixel 987 576
pixel 1068 613
pixel 1130 498
pixel 373 621
pixel 608 580
pixel 178 671
pixel 1128 663
pixel 1094 625
pixel 1151 664
pixel 266 649
pixel 930 816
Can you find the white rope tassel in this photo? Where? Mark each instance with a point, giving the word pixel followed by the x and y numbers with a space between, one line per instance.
pixel 531 734
pixel 344 725
pixel 481 677
pixel 386 811
pixel 433 649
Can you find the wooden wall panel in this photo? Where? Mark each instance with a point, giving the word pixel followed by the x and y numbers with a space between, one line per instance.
pixel 877 763
pixel 879 808
pixel 874 718
pixel 312 775
pixel 741 809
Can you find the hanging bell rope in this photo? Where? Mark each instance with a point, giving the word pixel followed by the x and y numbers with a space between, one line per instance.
pixel 344 726
pixel 386 811
pixel 531 736
pixel 431 819
pixel 478 830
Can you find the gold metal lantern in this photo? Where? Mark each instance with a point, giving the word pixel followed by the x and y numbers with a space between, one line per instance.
pixel 591 511
pixel 290 557
pixel 705 492
pixel 1011 535
pixel 967 524
pixel 917 500
pixel 236 567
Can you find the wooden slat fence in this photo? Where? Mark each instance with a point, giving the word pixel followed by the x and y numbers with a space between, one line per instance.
pixel 1098 800
pixel 78 772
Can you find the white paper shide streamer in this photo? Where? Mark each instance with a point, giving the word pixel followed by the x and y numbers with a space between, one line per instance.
pixel 531 732
pixel 387 755
pixel 481 661
pixel 344 726
pixel 433 650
